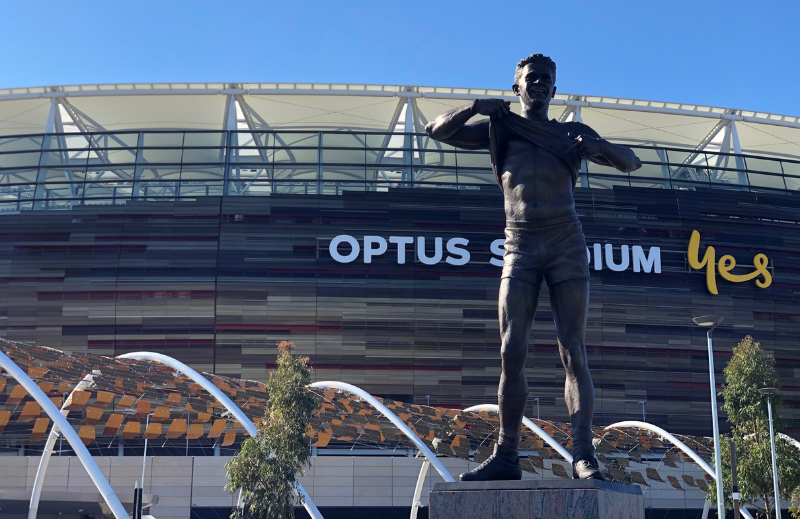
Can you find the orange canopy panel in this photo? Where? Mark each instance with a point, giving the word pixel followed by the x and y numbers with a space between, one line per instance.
pixel 77 399
pixel 16 396
pixel 142 409
pixel 86 434
pixel 63 387
pixel 174 399
pixel 45 386
pixel 93 415
pixel 112 425
pixel 126 401
pixel 202 417
pixel 104 398
pixel 177 428
pixel 39 429
pixel 229 438
pixel 30 412
pixel 37 372
pixel 217 428
pixel 195 431
pixel 57 401
pixel 4 417
pixel 3 383
pixel 131 430
pixel 322 439
pixel 161 413
pixel 153 431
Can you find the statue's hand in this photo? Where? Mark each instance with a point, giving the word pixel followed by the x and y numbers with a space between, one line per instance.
pixel 494 108
pixel 586 145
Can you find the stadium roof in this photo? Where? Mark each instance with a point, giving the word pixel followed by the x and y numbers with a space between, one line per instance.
pixel 318 107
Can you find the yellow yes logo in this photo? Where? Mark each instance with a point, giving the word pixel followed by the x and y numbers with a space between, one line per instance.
pixel 726 264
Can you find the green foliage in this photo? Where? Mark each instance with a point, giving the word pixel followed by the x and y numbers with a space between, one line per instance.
pixel 749 369
pixel 265 468
pixel 795 509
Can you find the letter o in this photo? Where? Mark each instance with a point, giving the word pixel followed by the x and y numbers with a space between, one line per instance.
pixel 333 248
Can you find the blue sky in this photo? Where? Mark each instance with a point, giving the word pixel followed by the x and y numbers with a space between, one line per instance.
pixel 724 53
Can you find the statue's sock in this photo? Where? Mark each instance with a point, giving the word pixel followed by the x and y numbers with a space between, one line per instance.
pixel 512 408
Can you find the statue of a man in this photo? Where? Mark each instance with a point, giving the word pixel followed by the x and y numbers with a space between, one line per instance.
pixel 536 162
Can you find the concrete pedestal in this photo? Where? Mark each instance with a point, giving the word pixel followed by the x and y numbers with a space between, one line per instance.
pixel 535 499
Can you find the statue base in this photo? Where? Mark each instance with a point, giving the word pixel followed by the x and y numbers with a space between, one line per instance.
pixel 536 499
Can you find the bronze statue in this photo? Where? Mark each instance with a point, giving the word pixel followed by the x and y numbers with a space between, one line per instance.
pixel 536 162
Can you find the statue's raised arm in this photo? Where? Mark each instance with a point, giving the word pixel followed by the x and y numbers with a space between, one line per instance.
pixel 451 127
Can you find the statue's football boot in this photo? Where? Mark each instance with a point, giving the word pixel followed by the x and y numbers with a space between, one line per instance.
pixel 586 468
pixel 500 466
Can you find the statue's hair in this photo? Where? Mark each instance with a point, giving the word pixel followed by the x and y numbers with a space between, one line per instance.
pixel 534 58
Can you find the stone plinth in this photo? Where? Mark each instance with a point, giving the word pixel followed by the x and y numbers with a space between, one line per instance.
pixel 536 499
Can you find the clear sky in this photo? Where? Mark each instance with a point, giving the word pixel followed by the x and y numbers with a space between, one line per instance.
pixel 732 53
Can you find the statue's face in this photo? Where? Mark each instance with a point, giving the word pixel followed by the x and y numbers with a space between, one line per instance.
pixel 536 85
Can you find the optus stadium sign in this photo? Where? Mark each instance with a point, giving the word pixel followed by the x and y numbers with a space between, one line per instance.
pixel 345 248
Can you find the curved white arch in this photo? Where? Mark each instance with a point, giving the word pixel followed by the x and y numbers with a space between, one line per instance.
pixel 44 461
pixel 530 425
pixel 69 433
pixel 374 402
pixel 226 402
pixel 790 440
pixel 679 444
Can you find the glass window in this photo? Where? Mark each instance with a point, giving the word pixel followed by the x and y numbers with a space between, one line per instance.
pixel 204 139
pixel 792 183
pixel 19 160
pixel 337 188
pixel 389 175
pixel 205 155
pixel 156 189
pixel 791 168
pixel 18 176
pixel 388 140
pixel 476 176
pixel 597 169
pixel 607 182
pixel 427 144
pixel 201 188
pixel 21 143
pixel 20 192
pixel 436 158
pixel 162 139
pixel 650 183
pixel 70 141
pixel 343 140
pixel 765 165
pixel 158 173
pixel 64 158
pixel 248 139
pixel 650 154
pixel 252 188
pixel 342 174
pixel 61 175
pixel 650 171
pixel 297 139
pixel 112 156
pixel 473 160
pixel 160 155
pixel 351 156
pixel 295 188
pixel 59 191
pixel 116 140
pixel 202 172
pixel 109 174
pixel 387 156
pixel 422 175
pixel 771 181
pixel 55 204
pixel 108 189
pixel 727 176
pixel 295 174
pixel 250 174
pixel 297 155
pixel 251 155
pixel 15 207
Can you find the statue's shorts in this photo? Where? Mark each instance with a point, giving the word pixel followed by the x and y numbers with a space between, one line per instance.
pixel 553 250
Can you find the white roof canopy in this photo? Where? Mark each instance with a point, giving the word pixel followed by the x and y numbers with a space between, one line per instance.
pixel 326 107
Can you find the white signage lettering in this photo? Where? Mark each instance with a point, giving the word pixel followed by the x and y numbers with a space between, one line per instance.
pixel 457 253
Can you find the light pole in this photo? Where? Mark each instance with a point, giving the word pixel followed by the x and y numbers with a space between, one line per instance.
pixel 711 322
pixel 769 392
pixel 641 403
pixel 537 407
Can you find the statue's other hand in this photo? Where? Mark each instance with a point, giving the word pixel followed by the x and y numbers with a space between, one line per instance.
pixel 586 145
pixel 494 108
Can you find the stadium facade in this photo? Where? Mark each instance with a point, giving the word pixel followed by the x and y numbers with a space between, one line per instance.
pixel 209 221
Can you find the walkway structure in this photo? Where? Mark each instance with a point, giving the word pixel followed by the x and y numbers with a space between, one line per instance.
pixel 69 433
pixel 679 444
